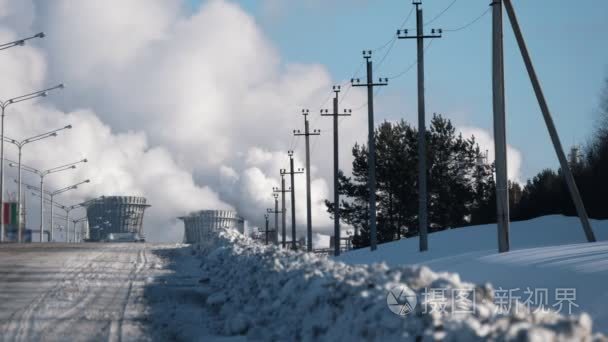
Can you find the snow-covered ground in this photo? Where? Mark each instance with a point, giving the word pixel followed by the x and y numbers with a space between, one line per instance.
pixel 231 288
pixel 270 294
pixel 547 253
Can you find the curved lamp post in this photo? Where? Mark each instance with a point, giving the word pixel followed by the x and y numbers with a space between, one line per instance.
pixel 78 237
pixel 51 195
pixel 20 145
pixel 68 210
pixel 42 174
pixel 3 106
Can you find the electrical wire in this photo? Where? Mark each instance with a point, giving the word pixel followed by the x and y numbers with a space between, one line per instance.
pixel 291 142
pixel 383 46
pixel 440 13
pixel 411 65
pixel 348 88
pixel 386 54
pixel 470 23
pixel 407 18
pixel 366 102
pixel 390 42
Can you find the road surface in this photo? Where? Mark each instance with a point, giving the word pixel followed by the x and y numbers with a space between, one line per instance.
pixel 95 292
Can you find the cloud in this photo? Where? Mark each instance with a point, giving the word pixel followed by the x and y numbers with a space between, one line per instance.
pixel 486 142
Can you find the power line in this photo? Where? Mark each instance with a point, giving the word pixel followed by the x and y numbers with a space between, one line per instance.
pixel 346 92
pixel 387 53
pixel 383 46
pixel 391 42
pixel 440 13
pixel 470 23
pixel 411 65
pixel 325 102
pixel 409 15
pixel 293 138
pixel 376 92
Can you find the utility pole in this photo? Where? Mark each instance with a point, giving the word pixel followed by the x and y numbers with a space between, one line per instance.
pixel 275 237
pixel 422 167
pixel 307 135
pixel 500 138
pixel 542 102
pixel 371 159
pixel 282 190
pixel 267 231
pixel 336 115
pixel 292 173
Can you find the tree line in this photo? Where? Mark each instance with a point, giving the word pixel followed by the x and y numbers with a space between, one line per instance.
pixel 461 188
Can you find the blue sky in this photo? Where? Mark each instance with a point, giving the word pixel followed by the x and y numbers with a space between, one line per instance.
pixel 567 43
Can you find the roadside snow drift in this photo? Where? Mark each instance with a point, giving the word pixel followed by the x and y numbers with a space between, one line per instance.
pixel 270 294
pixel 548 253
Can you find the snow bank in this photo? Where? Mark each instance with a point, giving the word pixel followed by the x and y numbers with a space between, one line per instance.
pixel 548 252
pixel 271 294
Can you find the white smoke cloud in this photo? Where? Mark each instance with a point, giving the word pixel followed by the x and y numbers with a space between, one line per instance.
pixel 191 110
pixel 486 142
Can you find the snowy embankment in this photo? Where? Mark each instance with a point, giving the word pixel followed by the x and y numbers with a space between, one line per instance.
pixel 272 294
pixel 547 253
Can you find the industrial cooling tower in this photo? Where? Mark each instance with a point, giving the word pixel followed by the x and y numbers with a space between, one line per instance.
pixel 198 224
pixel 115 214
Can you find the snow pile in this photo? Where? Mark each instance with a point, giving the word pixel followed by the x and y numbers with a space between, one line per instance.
pixel 271 294
pixel 548 253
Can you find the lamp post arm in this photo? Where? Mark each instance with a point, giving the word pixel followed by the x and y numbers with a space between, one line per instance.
pixel 13 141
pixel 30 96
pixel 64 167
pixel 24 167
pixel 49 134
pixel 20 42
pixel 68 188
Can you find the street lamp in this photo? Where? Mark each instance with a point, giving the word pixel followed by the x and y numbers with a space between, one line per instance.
pixel 42 174
pixel 78 238
pixel 20 145
pixel 67 210
pixel 4 105
pixel 20 42
pixel 52 195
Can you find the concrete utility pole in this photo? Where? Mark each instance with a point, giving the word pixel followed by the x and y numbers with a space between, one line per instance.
pixel 292 173
pixel 336 115
pixel 422 162
pixel 500 138
pixel 282 191
pixel 307 135
pixel 276 219
pixel 267 231
pixel 371 159
pixel 542 102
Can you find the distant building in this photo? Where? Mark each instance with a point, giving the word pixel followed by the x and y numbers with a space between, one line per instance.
pixel 115 214
pixel 198 225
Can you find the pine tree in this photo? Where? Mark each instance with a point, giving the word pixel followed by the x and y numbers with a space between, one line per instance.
pixel 456 174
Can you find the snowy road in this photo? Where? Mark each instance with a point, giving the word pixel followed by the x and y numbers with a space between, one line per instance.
pixel 84 292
